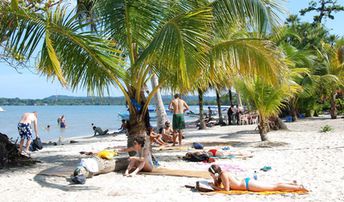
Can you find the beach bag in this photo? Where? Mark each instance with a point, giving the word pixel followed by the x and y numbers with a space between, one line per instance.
pixel 196 156
pixel 107 154
pixel 36 144
pixel 197 145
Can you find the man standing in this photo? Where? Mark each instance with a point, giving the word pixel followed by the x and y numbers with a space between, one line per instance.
pixel 230 114
pixel 24 129
pixel 178 106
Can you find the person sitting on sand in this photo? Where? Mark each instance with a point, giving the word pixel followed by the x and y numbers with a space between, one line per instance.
pixel 142 161
pixel 99 131
pixel 153 137
pixel 123 128
pixel 224 181
pixel 167 134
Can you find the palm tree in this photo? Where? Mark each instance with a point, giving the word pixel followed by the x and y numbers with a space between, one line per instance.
pixel 333 66
pixel 266 98
pixel 131 39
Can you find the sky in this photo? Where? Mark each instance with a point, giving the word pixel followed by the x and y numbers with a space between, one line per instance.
pixel 28 84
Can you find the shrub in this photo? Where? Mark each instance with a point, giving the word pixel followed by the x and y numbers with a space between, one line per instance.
pixel 326 129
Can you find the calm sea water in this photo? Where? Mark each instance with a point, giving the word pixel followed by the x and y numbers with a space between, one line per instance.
pixel 78 119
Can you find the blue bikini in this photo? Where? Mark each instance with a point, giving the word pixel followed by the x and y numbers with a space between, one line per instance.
pixel 247 180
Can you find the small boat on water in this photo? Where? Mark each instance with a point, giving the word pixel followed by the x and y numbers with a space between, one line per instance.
pixel 1 109
pixel 152 115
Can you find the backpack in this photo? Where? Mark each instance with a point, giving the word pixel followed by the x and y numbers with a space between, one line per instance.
pixel 196 156
pixel 36 144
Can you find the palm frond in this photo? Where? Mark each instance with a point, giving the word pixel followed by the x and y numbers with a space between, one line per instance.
pixel 65 52
pixel 178 51
pixel 250 57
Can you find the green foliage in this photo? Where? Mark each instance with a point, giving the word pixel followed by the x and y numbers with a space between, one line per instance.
pixel 326 129
pixel 324 8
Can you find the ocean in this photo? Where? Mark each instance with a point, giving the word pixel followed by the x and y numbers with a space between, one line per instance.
pixel 78 119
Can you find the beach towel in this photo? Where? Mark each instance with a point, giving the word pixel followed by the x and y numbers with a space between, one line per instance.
pixel 204 187
pixel 178 173
pixel 239 192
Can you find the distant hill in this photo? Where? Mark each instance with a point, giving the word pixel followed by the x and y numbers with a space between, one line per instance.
pixel 94 100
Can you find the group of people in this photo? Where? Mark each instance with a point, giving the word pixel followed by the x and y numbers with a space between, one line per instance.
pixel 237 116
pixel 169 134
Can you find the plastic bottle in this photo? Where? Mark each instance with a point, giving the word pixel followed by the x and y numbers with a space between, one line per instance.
pixel 255 176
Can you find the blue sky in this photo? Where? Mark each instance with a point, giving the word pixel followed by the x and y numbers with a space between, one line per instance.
pixel 28 84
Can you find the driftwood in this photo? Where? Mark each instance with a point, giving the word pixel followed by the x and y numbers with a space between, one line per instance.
pixel 9 154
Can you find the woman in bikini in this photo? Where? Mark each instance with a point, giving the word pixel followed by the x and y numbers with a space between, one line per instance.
pixel 224 181
pixel 142 161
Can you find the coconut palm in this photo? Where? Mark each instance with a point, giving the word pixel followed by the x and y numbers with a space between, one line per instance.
pixel 266 98
pixel 332 67
pixel 132 39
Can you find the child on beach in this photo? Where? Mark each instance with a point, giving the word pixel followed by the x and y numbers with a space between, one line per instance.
pixel 224 181
pixel 142 161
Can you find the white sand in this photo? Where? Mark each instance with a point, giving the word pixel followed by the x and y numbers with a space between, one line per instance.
pixel 310 157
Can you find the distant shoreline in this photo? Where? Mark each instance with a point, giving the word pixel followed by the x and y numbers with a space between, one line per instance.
pixel 57 100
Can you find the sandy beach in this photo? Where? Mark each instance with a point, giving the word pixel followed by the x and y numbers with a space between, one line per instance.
pixel 302 153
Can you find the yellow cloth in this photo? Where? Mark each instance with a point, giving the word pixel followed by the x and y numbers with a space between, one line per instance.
pixel 239 192
pixel 107 154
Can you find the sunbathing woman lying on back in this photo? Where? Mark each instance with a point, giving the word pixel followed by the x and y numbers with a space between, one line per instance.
pixel 225 181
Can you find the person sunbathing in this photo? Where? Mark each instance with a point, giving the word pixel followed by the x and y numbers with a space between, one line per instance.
pixel 153 137
pixel 224 181
pixel 142 161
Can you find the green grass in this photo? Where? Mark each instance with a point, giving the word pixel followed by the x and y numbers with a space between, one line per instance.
pixel 326 129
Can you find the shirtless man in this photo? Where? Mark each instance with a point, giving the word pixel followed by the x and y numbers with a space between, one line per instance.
pixel 24 129
pixel 168 134
pixel 178 106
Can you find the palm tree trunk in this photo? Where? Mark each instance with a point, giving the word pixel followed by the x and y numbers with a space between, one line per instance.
pixel 200 102
pixel 138 123
pixel 219 108
pixel 263 128
pixel 333 110
pixel 230 97
pixel 239 99
pixel 159 104
pixel 292 107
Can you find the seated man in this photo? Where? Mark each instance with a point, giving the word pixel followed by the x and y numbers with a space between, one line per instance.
pixel 99 131
pixel 167 134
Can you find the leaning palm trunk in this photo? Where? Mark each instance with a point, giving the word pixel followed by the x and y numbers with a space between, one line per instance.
pixel 263 128
pixel 333 110
pixel 219 108
pixel 200 102
pixel 159 104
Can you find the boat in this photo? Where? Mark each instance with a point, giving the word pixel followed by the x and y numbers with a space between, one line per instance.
pixel 152 115
pixel 1 109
